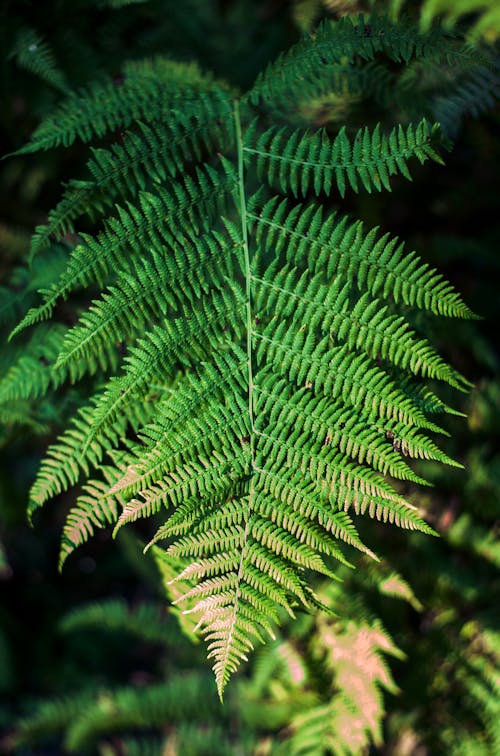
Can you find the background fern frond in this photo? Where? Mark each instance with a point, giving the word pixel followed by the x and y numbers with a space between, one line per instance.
pixel 34 54
pixel 92 715
pixel 475 93
pixel 350 38
pixel 286 367
pixel 151 90
pixel 487 22
pixel 31 376
pixel 147 620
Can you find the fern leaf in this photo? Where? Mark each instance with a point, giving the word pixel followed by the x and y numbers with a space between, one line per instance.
pixel 31 376
pixel 71 456
pixel 364 326
pixel 140 295
pixel 487 20
pixel 310 61
pixel 93 509
pixel 475 93
pixel 354 654
pixel 146 620
pixel 163 347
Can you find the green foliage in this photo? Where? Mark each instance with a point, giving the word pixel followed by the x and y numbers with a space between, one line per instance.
pixel 340 709
pixel 252 365
pixel 85 718
pixel 321 686
pixel 181 714
pixel 301 162
pixel 487 22
pixel 483 15
pixel 33 53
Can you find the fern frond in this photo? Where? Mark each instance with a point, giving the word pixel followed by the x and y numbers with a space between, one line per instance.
pixel 34 54
pixel 93 509
pixel 395 585
pixel 146 620
pixel 206 386
pixel 273 383
pixel 308 63
pixel 353 654
pixel 486 22
pixel 143 708
pixel 366 325
pixel 88 716
pixel 474 94
pixel 154 358
pixel 302 492
pixel 22 413
pixel 31 376
pixel 71 456
pixel 332 427
pixel 51 717
pixel 150 290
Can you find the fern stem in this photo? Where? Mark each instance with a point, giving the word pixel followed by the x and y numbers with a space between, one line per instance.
pixel 247 274
pixel 225 660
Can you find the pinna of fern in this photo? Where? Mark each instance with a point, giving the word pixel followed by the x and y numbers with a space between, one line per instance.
pixel 270 363
pixel 339 712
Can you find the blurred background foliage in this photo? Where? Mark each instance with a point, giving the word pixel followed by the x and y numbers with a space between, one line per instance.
pixel 91 660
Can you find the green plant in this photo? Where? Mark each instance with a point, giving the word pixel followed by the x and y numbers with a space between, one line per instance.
pixel 317 690
pixel 253 364
pixel 180 712
pixel 485 14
